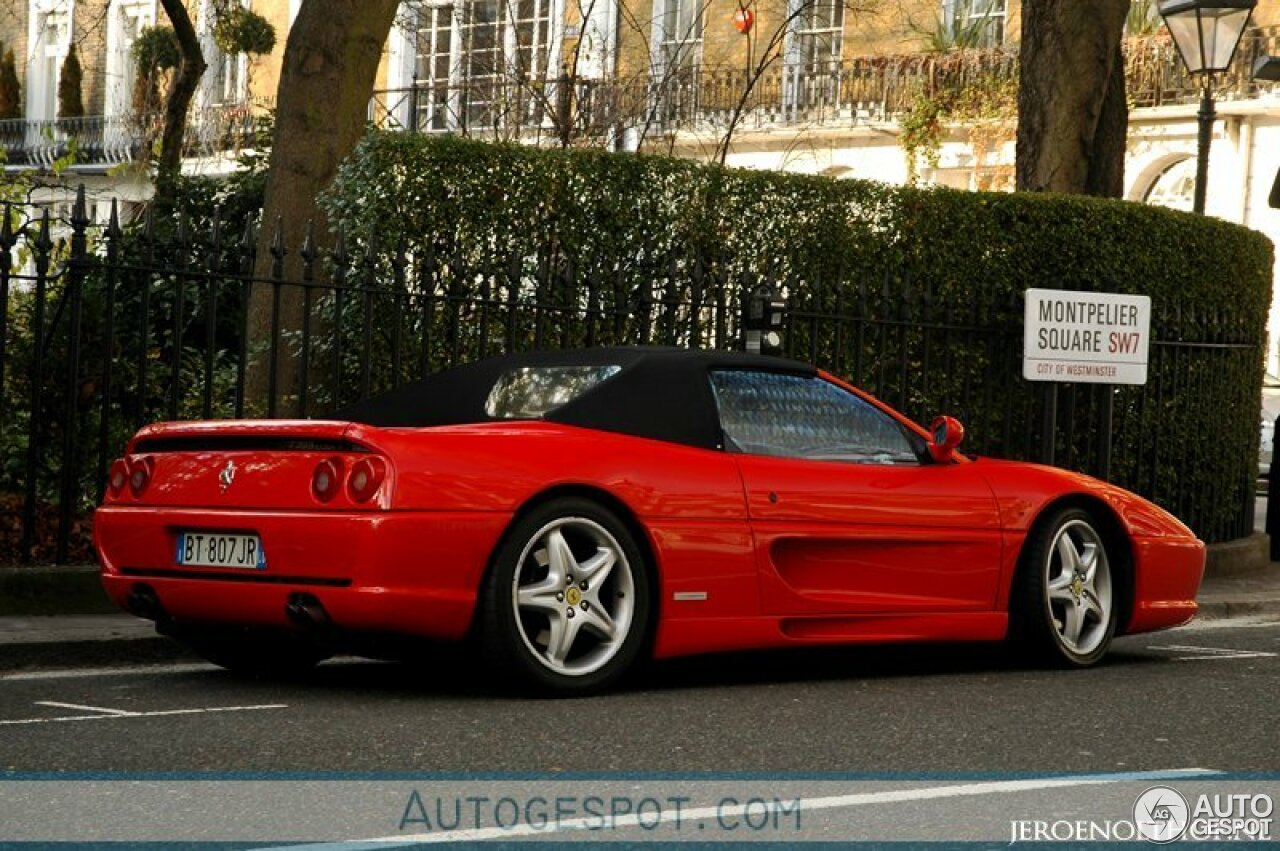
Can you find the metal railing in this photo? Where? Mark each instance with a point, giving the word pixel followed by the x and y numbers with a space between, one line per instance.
pixel 114 330
pixel 849 92
pixel 112 140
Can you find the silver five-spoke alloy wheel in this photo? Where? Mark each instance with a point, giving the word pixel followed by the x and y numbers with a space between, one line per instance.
pixel 573 596
pixel 1078 577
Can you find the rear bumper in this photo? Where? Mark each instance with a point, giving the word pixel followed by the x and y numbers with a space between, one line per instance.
pixel 413 573
pixel 1168 577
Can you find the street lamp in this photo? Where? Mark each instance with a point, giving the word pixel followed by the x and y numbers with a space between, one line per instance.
pixel 1207 33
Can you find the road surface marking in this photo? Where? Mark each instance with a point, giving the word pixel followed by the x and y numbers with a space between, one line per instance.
pixel 156 714
pixel 1201 654
pixel 101 709
pixel 80 673
pixel 896 796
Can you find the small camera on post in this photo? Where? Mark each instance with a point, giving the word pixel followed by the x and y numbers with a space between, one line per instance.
pixel 763 320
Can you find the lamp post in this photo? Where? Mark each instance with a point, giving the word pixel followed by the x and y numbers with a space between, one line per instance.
pixel 1207 33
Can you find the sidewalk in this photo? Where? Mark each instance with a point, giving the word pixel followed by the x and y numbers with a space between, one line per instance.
pixel 28 641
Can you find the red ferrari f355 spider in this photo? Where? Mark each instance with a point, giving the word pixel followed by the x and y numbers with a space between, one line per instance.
pixel 574 511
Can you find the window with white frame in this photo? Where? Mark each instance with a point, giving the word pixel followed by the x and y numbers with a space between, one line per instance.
pixel 976 23
pixel 817 28
pixel 127 20
pixel 679 34
pixel 479 61
pixel 226 79
pixel 49 38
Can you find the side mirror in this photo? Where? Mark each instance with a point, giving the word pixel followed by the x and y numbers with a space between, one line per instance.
pixel 947 434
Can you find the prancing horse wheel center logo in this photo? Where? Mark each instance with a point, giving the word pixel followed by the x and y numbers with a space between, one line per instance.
pixel 573 596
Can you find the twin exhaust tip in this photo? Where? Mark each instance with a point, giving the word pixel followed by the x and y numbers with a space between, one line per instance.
pixel 302 610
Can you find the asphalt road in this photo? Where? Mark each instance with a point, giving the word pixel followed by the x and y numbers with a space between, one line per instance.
pixel 1199 697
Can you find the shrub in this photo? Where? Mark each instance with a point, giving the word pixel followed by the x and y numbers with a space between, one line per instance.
pixel 10 92
pixel 70 83
pixel 916 294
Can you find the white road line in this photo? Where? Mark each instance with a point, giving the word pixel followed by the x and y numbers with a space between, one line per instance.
pixel 156 714
pixel 101 709
pixel 1202 654
pixel 896 796
pixel 80 673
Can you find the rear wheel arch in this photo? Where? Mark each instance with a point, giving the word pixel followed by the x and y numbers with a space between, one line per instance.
pixel 604 498
pixel 569 552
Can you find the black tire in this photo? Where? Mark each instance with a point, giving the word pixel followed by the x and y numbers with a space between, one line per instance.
pixel 1062 608
pixel 523 632
pixel 254 654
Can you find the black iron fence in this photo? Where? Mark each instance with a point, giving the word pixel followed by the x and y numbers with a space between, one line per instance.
pixel 102 331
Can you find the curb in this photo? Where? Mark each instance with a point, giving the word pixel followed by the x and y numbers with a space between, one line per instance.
pixel 1243 555
pixel 68 590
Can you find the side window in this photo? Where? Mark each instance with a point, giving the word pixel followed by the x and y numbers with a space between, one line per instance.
pixel 795 416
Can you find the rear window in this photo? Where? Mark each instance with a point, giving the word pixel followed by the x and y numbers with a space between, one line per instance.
pixel 530 392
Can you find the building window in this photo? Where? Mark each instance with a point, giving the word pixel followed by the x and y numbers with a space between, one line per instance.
pixel 818 29
pixel 679 35
pixel 1174 187
pixel 479 63
pixel 50 40
pixel 225 82
pixel 127 21
pixel 975 23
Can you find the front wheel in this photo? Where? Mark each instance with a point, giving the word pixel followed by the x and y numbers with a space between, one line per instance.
pixel 567 600
pixel 1063 603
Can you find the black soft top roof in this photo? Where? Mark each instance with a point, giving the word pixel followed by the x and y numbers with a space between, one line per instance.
pixel 660 393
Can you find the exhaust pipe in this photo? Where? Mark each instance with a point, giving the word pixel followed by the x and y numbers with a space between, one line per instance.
pixel 144 602
pixel 306 611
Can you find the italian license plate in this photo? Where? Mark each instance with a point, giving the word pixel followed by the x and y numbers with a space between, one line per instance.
pixel 219 549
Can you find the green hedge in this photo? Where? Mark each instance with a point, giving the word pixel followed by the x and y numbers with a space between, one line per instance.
pixel 912 293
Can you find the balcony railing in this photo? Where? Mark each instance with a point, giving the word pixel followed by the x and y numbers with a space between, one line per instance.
pixel 111 140
pixel 856 91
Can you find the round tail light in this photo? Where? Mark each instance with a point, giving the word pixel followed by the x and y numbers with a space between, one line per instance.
pixel 118 477
pixel 140 475
pixel 326 479
pixel 365 478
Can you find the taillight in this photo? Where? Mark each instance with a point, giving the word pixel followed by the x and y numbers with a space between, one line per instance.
pixel 140 475
pixel 119 476
pixel 326 479
pixel 365 478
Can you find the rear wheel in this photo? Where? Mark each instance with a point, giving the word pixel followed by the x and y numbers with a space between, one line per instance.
pixel 566 603
pixel 1062 608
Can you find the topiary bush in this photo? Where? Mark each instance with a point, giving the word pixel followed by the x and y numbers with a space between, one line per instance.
pixel 10 91
pixel 70 83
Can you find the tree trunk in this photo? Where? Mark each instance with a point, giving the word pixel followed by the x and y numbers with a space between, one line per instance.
pixel 182 88
pixel 1072 113
pixel 330 61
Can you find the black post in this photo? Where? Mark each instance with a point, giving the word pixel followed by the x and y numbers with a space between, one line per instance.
pixel 1049 424
pixel 42 247
pixel 1104 434
pixel 413 103
pixel 76 263
pixel 1273 502
pixel 1206 116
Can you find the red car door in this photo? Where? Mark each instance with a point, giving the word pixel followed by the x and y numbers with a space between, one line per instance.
pixel 849 515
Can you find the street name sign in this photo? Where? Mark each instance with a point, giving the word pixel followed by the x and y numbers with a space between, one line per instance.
pixel 1079 337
